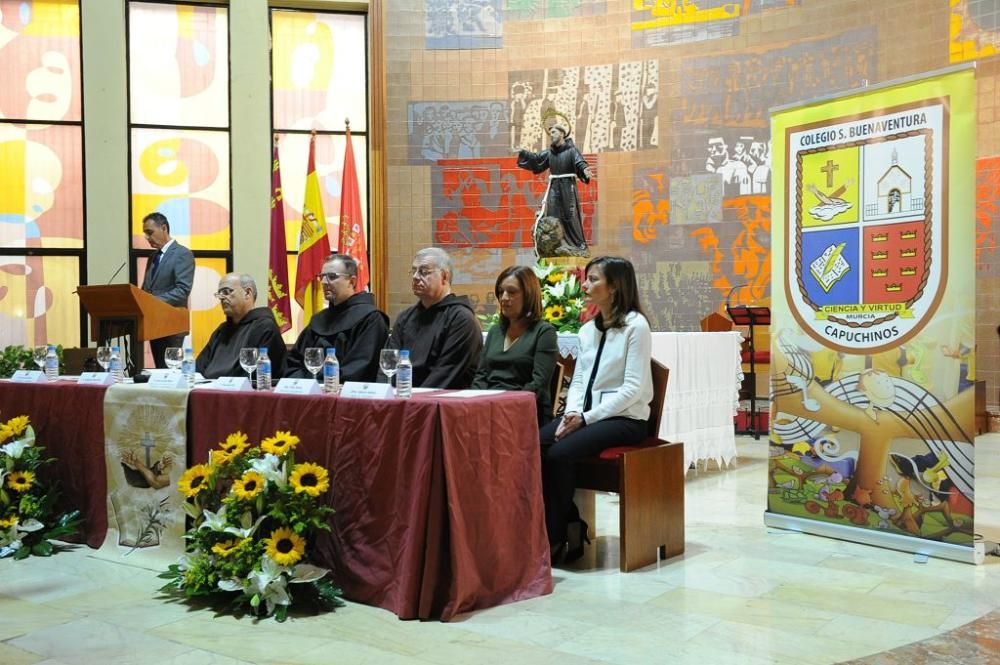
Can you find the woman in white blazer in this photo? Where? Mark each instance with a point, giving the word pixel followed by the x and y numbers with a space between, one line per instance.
pixel 608 400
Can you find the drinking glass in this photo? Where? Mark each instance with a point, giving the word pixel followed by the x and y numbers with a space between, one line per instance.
pixel 388 360
pixel 313 358
pixel 104 357
pixel 248 360
pixel 38 355
pixel 173 357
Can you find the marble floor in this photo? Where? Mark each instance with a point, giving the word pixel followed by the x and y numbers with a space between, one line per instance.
pixel 742 594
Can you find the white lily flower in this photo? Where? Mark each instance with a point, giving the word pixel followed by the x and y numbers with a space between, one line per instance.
pixel 306 572
pixel 29 525
pixel 272 468
pixel 183 562
pixel 270 583
pixel 214 521
pixel 14 449
pixel 248 528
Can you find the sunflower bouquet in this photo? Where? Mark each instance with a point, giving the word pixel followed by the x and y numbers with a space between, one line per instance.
pixel 562 298
pixel 27 504
pixel 255 513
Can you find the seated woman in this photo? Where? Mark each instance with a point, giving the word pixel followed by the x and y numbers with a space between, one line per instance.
pixel 520 351
pixel 608 400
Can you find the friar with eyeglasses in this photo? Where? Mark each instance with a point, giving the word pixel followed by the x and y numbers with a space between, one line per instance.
pixel 441 331
pixel 351 324
pixel 245 325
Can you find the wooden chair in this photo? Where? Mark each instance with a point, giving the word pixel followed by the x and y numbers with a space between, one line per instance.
pixel 649 481
pixel 555 387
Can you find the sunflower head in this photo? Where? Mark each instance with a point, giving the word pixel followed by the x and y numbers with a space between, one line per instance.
pixel 285 547
pixel 236 440
pixel 226 548
pixel 17 425
pixel 309 478
pixel 554 312
pixel 555 277
pixel 20 481
pixel 249 485
pixel 8 522
pixel 280 443
pixel 194 480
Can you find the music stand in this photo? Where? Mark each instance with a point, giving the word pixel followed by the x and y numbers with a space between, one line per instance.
pixel 750 316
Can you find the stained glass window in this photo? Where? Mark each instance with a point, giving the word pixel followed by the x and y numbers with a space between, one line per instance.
pixel 41 184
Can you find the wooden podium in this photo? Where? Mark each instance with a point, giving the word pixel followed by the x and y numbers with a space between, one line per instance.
pixel 127 309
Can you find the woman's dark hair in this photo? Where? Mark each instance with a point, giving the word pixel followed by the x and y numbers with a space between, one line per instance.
pixel 531 289
pixel 620 276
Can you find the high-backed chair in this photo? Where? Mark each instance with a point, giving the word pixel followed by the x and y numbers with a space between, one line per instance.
pixel 649 481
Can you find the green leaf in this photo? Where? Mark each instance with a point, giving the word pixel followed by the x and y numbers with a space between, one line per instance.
pixel 43 548
pixel 22 553
pixel 281 613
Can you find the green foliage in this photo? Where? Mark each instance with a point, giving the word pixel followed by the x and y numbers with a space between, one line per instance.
pixel 18 357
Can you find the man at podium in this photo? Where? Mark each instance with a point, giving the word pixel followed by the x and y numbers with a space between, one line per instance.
pixel 169 276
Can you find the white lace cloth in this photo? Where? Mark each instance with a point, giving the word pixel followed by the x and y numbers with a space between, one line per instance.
pixel 702 392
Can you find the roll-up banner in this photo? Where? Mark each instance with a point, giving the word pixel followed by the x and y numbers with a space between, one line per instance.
pixel 873 316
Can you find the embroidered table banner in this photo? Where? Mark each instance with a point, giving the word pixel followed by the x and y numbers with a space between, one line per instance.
pixel 145 450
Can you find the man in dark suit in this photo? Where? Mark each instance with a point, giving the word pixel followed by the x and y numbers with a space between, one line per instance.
pixel 169 276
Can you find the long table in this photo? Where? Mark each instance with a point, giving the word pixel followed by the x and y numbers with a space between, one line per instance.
pixel 438 499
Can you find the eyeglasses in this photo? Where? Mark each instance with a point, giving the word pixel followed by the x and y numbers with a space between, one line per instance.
pixel 224 292
pixel 423 272
pixel 331 276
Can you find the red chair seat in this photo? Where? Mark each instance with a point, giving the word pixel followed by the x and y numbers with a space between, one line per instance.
pixel 617 451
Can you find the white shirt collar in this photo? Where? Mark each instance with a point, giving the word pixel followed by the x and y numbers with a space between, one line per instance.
pixel 163 250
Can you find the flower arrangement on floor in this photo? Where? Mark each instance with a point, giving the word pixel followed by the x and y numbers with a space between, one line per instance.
pixel 562 298
pixel 27 503
pixel 255 512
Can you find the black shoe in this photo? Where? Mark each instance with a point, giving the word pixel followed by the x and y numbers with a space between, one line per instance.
pixel 557 553
pixel 577 535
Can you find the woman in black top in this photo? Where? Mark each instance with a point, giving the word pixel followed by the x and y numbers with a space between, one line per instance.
pixel 520 351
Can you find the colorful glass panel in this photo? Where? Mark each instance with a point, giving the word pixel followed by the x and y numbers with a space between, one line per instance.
pixel 183 174
pixel 41 191
pixel 37 300
pixel 178 65
pixel 318 70
pixel 40 51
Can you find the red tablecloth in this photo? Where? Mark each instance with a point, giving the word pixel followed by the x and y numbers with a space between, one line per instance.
pixel 438 500
pixel 69 423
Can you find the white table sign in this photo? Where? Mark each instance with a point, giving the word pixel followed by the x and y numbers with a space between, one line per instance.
pixel 96 379
pixel 28 376
pixel 298 387
pixel 236 384
pixel 167 379
pixel 359 390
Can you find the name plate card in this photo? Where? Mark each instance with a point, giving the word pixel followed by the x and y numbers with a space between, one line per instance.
pixel 167 379
pixel 298 387
pixel 236 384
pixel 96 379
pixel 359 390
pixel 28 376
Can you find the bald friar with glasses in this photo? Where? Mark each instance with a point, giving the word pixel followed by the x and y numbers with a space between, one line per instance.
pixel 351 324
pixel 441 331
pixel 245 326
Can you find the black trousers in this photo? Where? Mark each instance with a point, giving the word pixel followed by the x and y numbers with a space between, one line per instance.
pixel 160 346
pixel 559 458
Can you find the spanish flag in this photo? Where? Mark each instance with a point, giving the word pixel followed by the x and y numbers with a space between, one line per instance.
pixel 314 245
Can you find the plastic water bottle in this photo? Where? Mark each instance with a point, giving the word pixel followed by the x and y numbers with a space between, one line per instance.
pixel 404 375
pixel 187 366
pixel 331 373
pixel 52 364
pixel 115 365
pixel 263 370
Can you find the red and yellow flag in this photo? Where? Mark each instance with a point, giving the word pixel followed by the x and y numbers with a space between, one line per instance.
pixel 352 224
pixel 277 268
pixel 314 244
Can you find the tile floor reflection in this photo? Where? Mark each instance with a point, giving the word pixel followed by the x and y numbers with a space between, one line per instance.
pixel 742 593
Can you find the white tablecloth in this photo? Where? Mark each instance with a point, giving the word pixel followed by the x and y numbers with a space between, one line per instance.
pixel 702 392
